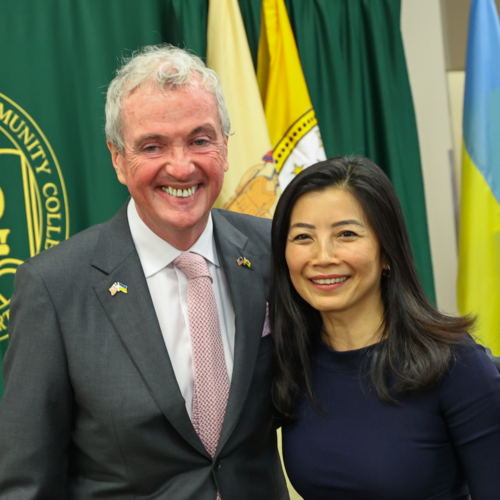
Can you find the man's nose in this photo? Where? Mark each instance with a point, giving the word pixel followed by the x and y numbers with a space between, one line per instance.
pixel 179 164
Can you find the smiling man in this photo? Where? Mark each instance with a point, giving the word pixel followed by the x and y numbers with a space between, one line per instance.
pixel 139 365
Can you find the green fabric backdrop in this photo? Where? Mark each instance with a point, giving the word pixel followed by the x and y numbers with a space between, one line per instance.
pixel 58 56
pixel 353 60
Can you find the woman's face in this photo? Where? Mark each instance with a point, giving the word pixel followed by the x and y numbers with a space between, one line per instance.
pixel 332 253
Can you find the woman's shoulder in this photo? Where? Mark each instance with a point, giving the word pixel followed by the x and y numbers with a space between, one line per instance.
pixel 470 354
pixel 495 359
pixel 471 377
pixel 470 405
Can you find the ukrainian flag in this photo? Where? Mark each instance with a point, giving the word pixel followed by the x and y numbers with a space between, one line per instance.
pixel 479 246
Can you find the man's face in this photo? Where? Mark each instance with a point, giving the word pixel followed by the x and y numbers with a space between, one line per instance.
pixel 174 159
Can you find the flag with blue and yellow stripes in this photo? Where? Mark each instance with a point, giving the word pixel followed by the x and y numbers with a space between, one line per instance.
pixel 479 246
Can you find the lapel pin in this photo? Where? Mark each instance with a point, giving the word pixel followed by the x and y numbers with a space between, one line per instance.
pixel 243 261
pixel 118 287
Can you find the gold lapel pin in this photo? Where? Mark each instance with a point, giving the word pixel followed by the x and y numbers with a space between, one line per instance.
pixel 243 261
pixel 117 287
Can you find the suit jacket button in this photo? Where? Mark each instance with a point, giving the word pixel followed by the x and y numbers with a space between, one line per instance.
pixel 218 464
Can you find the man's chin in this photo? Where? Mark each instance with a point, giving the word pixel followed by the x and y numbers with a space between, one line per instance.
pixel 183 230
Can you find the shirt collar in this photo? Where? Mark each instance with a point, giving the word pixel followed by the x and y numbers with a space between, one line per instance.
pixel 155 253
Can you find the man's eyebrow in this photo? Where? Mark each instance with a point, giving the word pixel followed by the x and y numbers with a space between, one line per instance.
pixel 207 127
pixel 148 137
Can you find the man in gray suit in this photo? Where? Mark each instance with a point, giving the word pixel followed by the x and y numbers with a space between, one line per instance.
pixel 99 371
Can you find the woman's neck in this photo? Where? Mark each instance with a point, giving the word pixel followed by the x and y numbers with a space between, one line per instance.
pixel 350 330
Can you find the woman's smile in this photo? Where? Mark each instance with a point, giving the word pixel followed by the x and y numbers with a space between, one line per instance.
pixel 332 253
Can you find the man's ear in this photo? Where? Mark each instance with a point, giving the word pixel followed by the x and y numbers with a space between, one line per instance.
pixel 226 162
pixel 118 163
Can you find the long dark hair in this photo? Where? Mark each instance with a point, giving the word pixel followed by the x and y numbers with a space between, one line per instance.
pixel 418 340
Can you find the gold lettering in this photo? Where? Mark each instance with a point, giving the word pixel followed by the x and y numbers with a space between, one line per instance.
pixel 5 116
pixel 52 204
pixel 2 324
pixel 2 203
pixel 4 248
pixel 52 216
pixel 51 229
pixel 45 189
pixel 43 167
pixel 40 152
pixel 32 145
pixel 19 127
pixel 50 243
pixel 27 137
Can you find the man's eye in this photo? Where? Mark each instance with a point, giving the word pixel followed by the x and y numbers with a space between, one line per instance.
pixel 200 142
pixel 151 149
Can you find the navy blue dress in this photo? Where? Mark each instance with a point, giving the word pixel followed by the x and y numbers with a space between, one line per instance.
pixel 436 445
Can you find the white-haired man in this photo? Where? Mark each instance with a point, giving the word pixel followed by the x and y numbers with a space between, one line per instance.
pixel 124 378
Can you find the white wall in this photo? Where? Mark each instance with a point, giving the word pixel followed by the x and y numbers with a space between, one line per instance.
pixel 456 87
pixel 422 30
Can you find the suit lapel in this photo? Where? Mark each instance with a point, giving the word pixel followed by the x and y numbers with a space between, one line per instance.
pixel 248 293
pixel 133 317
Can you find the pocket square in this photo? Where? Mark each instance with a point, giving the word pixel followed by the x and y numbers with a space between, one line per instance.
pixel 267 329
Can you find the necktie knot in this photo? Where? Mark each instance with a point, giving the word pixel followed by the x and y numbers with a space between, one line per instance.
pixel 193 265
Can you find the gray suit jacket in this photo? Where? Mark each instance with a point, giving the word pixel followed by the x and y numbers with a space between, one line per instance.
pixel 92 408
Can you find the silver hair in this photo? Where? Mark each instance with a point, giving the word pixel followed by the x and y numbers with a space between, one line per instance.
pixel 170 68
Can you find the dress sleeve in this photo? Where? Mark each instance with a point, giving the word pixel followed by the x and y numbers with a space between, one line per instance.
pixel 470 403
pixel 36 408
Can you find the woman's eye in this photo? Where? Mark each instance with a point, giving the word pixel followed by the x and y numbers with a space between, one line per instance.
pixel 348 234
pixel 301 237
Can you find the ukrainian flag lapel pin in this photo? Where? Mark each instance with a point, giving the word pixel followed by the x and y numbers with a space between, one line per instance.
pixel 117 287
pixel 243 261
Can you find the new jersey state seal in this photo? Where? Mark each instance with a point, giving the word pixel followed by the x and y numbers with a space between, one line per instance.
pixel 33 201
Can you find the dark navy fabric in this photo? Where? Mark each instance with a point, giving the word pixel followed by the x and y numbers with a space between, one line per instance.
pixel 434 445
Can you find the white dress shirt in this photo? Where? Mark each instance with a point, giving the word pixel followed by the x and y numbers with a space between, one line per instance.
pixel 168 287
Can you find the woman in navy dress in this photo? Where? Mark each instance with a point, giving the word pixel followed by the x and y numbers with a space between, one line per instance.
pixel 384 398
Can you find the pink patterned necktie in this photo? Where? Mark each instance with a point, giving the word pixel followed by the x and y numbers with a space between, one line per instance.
pixel 211 382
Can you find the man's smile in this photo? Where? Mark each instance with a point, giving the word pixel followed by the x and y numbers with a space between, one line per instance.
pixel 180 193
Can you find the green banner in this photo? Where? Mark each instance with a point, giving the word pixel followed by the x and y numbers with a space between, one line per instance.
pixel 58 56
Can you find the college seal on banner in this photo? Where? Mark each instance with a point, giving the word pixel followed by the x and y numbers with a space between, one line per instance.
pixel 33 202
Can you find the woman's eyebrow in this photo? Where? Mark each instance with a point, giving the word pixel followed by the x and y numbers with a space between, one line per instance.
pixel 347 222
pixel 335 224
pixel 302 224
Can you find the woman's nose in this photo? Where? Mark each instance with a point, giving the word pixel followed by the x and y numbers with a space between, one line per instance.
pixel 327 252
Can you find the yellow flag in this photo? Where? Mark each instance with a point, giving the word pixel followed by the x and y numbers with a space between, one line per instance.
pixel 291 120
pixel 250 184
pixel 479 246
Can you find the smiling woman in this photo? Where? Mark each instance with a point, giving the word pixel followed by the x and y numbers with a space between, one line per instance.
pixel 335 265
pixel 384 397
